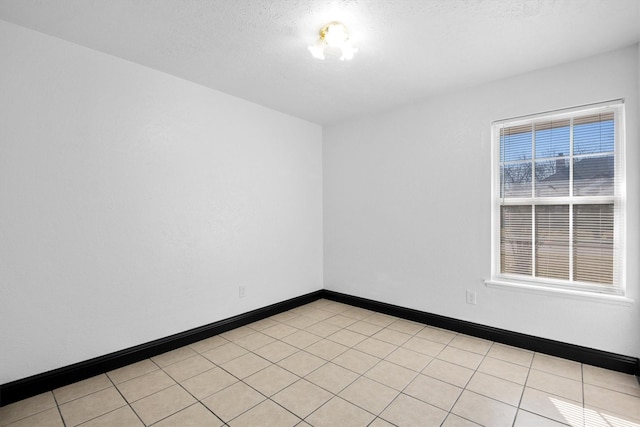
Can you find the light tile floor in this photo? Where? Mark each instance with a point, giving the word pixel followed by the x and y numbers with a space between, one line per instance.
pixel 330 364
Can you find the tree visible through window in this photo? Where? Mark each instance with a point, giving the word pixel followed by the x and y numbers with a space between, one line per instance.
pixel 558 198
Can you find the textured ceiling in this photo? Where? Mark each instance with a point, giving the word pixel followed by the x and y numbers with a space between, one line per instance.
pixel 408 50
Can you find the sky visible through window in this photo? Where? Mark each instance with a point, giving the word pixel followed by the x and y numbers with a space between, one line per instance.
pixel 552 141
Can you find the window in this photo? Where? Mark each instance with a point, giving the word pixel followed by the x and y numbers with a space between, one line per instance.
pixel 558 199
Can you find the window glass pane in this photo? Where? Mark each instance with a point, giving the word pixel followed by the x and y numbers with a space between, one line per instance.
pixel 552 178
pixel 552 139
pixel 552 241
pixel 558 175
pixel 515 143
pixel 515 180
pixel 593 243
pixel 593 176
pixel 515 239
pixel 593 134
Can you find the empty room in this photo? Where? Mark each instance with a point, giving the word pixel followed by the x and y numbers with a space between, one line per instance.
pixel 320 213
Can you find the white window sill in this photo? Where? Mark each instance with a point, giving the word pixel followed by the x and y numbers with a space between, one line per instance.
pixel 566 293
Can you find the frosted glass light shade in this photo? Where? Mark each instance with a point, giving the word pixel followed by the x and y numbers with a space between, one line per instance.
pixel 334 36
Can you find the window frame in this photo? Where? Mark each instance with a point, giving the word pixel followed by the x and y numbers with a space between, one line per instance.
pixel 618 199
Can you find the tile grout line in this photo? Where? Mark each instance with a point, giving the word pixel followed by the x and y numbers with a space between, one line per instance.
pixel 467 383
pixel 524 387
pixel 476 370
pixel 376 416
pixel 367 314
pixel 386 327
pixel 64 423
pixel 335 395
pixel 269 398
pixel 125 400
pixel 197 401
pixel 384 358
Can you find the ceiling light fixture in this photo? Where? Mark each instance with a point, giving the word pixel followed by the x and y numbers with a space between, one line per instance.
pixel 333 36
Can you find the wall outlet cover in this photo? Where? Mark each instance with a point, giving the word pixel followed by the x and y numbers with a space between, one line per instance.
pixel 471 297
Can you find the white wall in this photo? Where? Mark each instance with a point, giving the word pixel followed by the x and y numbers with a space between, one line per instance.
pixel 133 204
pixel 407 205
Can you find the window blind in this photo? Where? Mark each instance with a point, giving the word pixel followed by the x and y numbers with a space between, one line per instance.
pixel 559 197
pixel 552 241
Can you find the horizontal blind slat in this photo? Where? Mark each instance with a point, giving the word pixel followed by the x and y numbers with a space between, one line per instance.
pixel 558 192
pixel 552 241
pixel 593 243
pixel 515 239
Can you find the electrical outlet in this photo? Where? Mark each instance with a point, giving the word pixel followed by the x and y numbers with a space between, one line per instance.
pixel 242 291
pixel 471 297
